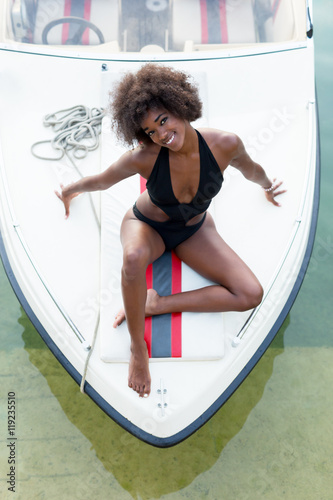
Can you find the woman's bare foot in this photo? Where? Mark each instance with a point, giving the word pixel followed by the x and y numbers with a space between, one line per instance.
pixel 138 373
pixel 150 310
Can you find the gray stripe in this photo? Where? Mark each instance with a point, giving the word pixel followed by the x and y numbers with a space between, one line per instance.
pixel 161 336
pixel 77 10
pixel 213 21
pixel 161 325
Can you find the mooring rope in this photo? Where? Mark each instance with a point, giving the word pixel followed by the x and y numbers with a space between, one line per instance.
pixel 73 125
pixel 77 132
pixel 85 368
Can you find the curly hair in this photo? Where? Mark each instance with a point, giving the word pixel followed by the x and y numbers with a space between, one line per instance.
pixel 153 86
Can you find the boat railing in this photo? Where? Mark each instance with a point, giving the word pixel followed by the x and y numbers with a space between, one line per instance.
pixel 19 233
pixel 311 155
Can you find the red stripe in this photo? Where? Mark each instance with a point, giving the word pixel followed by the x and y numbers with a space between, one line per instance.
pixel 149 280
pixel 86 14
pixel 142 184
pixel 65 26
pixel 275 8
pixel 223 21
pixel 148 321
pixel 204 21
pixel 176 318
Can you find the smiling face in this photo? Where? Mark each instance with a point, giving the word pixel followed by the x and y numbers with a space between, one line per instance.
pixel 164 128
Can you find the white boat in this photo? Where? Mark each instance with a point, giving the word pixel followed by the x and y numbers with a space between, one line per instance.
pixel 254 63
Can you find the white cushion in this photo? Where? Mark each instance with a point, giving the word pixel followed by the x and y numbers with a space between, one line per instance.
pixel 202 333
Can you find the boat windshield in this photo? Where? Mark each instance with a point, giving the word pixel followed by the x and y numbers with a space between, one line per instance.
pixel 155 25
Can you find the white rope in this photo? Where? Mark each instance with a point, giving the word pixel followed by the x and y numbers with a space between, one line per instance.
pixel 72 126
pixel 85 368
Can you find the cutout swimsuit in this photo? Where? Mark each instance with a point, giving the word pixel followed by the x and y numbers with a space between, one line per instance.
pixel 159 187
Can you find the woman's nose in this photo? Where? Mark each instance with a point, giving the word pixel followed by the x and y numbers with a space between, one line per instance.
pixel 162 134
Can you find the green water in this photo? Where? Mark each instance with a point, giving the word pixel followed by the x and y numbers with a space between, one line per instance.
pixel 273 439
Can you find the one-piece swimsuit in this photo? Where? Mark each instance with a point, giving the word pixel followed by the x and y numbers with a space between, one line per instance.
pixel 174 231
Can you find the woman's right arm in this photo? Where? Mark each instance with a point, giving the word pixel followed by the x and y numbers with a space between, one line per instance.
pixel 127 165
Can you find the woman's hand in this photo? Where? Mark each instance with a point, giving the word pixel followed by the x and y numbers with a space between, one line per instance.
pixel 66 199
pixel 274 191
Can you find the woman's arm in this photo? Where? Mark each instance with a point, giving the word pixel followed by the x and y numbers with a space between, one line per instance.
pixel 127 165
pixel 253 171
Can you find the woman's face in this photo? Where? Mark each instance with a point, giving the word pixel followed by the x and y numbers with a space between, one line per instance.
pixel 164 128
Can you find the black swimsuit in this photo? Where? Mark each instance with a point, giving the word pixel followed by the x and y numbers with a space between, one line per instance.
pixel 159 187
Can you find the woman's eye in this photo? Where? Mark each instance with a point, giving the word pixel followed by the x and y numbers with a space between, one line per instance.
pixel 163 121
pixel 150 133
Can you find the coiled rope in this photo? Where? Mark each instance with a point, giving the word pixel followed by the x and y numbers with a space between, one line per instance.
pixel 72 126
pixel 77 132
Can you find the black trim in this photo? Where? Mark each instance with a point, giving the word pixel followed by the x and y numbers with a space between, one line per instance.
pixel 199 422
pixel 309 31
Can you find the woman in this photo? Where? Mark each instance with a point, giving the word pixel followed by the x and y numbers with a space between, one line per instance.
pixel 184 171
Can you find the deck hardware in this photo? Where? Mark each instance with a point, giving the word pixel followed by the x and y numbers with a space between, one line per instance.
pixel 162 404
pixel 236 341
pixel 85 345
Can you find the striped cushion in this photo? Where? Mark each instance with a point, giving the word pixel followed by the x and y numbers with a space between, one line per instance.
pixel 212 22
pixel 163 334
pixel 104 15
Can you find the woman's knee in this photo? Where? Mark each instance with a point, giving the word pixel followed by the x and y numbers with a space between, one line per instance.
pixel 135 261
pixel 251 296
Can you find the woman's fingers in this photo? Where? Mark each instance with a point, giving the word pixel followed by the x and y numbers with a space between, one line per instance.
pixel 65 199
pixel 271 195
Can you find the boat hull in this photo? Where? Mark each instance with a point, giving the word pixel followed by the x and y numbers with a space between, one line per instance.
pixel 273 109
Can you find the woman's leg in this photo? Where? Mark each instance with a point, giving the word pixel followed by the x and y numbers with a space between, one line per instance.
pixel 237 288
pixel 141 246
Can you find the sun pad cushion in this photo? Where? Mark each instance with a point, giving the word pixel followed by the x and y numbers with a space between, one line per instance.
pixel 191 336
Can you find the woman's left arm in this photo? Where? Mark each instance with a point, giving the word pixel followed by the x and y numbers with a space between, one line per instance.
pixel 254 172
